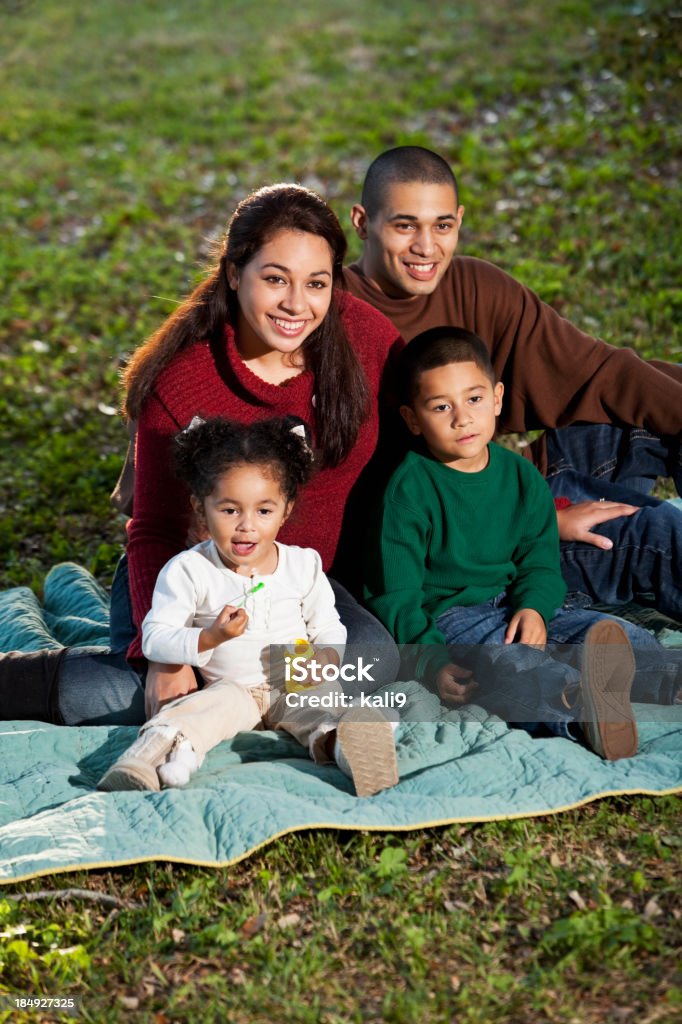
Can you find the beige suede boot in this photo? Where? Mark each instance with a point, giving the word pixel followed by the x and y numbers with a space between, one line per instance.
pixel 136 768
pixel 365 750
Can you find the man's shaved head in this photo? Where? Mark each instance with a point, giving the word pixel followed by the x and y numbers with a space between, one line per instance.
pixel 403 165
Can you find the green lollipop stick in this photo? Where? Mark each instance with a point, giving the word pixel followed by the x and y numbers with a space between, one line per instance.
pixel 242 600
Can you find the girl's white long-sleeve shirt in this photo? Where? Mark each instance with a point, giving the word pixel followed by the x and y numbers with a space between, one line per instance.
pixel 296 601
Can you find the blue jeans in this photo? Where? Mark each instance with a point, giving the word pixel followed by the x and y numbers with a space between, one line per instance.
pixel 97 686
pixel 540 689
pixel 586 463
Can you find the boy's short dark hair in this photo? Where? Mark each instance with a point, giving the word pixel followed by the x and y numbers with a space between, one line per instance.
pixel 403 165
pixel 440 346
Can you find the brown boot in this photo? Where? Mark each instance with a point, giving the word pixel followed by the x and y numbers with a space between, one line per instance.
pixel 365 750
pixel 608 668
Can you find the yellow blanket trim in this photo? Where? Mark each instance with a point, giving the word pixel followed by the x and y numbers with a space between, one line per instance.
pixel 333 826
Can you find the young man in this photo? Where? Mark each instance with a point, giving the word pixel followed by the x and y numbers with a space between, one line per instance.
pixel 466 553
pixel 554 374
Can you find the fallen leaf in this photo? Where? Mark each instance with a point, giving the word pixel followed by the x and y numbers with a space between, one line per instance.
pixel 652 909
pixel 576 898
pixel 479 891
pixel 253 925
pixel 288 920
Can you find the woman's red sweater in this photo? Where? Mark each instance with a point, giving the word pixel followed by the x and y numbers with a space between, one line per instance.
pixel 205 382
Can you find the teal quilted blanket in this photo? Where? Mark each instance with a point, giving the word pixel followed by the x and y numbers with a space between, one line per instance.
pixel 455 766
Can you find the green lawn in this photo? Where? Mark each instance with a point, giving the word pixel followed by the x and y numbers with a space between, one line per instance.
pixel 129 132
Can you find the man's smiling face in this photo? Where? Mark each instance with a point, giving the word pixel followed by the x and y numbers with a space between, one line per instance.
pixel 410 241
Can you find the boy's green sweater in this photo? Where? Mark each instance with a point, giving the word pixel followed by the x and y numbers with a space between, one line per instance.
pixel 449 538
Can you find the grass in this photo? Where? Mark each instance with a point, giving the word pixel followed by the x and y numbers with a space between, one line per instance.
pixel 128 134
pixel 568 919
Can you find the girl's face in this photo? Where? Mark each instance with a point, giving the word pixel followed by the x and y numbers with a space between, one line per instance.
pixel 243 515
pixel 284 294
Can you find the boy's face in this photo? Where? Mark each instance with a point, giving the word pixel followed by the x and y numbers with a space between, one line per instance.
pixel 410 242
pixel 454 411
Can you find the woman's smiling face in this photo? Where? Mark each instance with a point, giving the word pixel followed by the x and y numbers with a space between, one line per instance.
pixel 284 294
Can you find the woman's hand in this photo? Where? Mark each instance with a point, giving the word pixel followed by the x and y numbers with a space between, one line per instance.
pixel 231 622
pixel 527 627
pixel 165 683
pixel 576 521
pixel 450 686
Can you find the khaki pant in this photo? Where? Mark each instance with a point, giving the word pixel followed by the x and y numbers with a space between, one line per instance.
pixel 218 712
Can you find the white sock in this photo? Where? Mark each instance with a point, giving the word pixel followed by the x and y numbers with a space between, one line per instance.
pixel 340 759
pixel 181 765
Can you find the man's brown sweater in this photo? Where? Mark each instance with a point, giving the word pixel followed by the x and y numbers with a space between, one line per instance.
pixel 553 373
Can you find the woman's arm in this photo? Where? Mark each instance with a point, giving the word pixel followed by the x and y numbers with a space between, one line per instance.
pixel 156 532
pixel 158 529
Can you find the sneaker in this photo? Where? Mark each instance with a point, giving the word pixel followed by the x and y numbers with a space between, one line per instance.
pixel 136 768
pixel 365 750
pixel 608 668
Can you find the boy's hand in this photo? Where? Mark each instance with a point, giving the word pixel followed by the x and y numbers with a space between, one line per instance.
pixel 576 521
pixel 454 684
pixel 527 627
pixel 231 622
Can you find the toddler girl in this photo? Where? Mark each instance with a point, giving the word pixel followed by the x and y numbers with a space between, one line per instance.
pixel 221 604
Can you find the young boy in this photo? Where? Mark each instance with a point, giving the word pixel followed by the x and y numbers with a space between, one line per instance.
pixel 468 555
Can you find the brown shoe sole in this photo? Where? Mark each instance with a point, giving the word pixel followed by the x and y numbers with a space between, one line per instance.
pixel 607 672
pixel 130 775
pixel 368 743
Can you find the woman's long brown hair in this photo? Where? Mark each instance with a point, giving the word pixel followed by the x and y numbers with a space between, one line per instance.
pixel 341 390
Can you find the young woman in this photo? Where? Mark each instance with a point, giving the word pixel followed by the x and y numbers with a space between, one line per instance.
pixel 269 332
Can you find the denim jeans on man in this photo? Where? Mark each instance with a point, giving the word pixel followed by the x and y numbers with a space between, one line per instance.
pixel 589 462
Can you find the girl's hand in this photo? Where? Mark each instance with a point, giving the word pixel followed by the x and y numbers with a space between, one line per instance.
pixel 165 683
pixel 527 627
pixel 454 684
pixel 231 622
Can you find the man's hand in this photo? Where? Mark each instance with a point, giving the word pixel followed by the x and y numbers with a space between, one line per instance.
pixel 231 622
pixel 165 683
pixel 454 685
pixel 576 521
pixel 526 627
